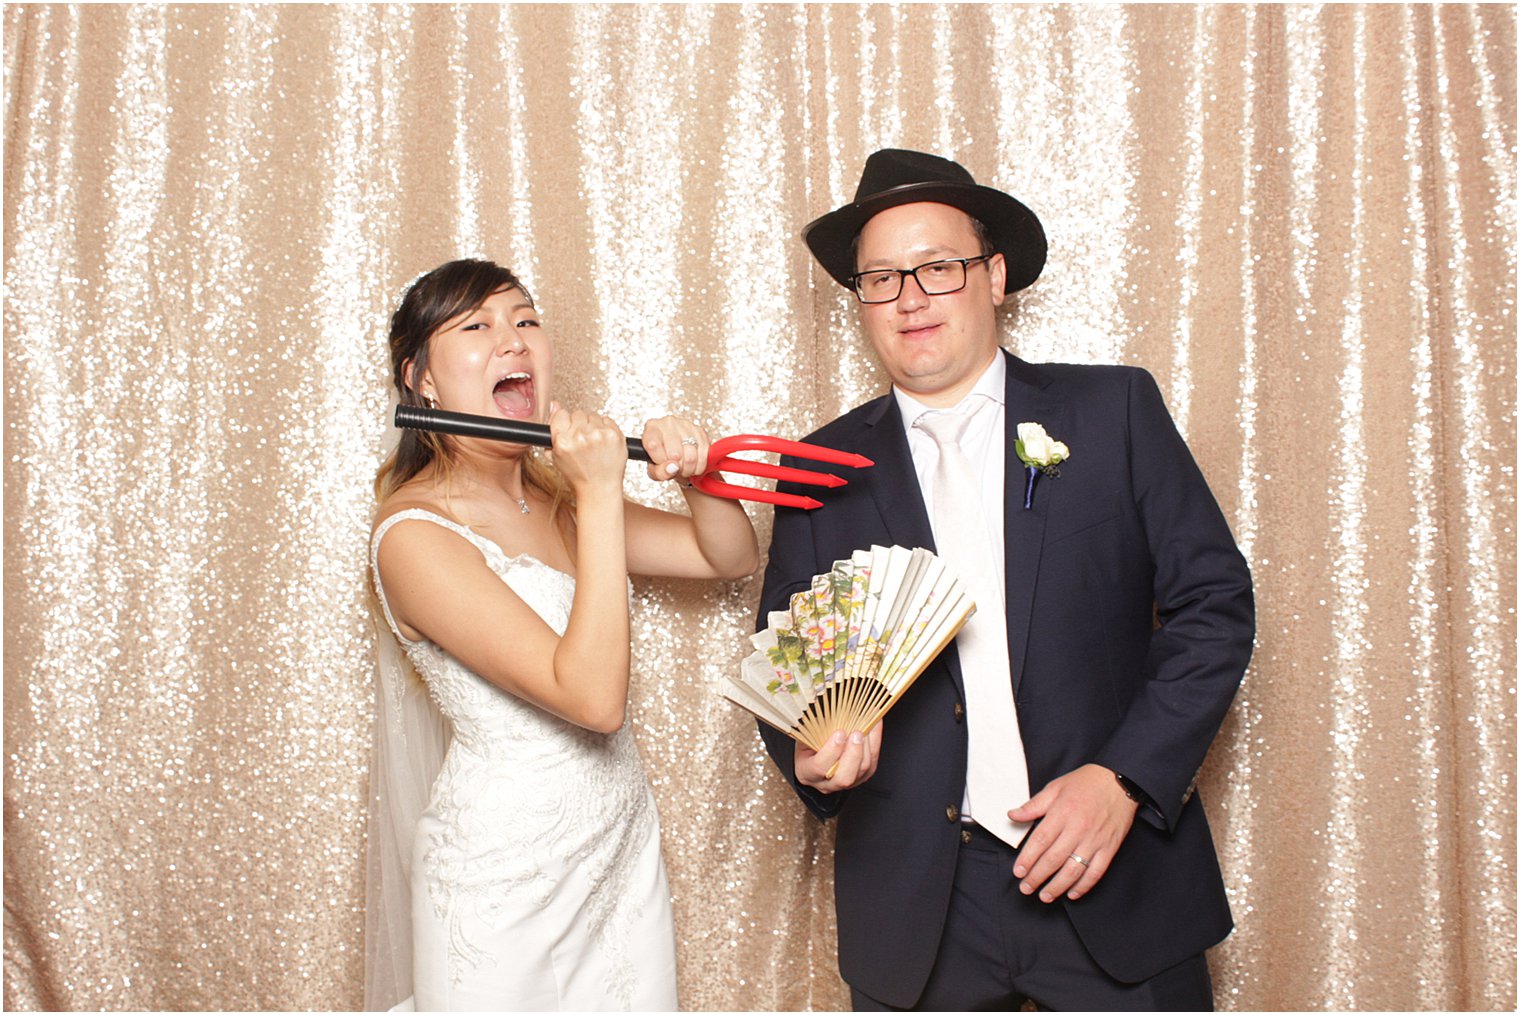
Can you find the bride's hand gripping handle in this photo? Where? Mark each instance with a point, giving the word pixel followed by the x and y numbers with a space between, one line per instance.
pixel 589 451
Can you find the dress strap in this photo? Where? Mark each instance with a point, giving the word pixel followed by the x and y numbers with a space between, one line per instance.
pixel 488 549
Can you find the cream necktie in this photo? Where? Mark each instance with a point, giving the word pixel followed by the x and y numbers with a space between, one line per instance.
pixel 997 776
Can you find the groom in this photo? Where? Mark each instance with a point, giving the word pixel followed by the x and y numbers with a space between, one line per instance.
pixel 1023 824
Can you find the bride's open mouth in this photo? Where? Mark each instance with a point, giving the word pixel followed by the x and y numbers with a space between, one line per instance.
pixel 513 395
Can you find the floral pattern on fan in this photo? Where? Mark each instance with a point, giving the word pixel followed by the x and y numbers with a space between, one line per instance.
pixel 847 647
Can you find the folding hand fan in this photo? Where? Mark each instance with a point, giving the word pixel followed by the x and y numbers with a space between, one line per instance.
pixel 849 646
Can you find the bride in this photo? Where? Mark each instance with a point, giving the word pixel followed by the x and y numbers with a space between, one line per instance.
pixel 534 866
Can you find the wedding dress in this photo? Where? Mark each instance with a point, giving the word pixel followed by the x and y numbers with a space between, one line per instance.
pixel 535 871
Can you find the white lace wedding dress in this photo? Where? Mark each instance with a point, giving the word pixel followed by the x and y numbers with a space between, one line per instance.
pixel 537 881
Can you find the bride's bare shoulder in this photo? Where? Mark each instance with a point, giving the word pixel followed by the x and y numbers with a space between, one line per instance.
pixel 411 496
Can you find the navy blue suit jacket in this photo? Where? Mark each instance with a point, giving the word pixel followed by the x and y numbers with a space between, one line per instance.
pixel 1127 535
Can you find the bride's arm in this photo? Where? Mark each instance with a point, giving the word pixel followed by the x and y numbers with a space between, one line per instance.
pixel 440 587
pixel 716 540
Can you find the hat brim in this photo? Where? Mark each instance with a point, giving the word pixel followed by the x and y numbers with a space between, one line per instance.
pixel 1015 231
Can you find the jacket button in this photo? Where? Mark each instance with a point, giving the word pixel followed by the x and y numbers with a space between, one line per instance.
pixel 965 836
pixel 960 713
pixel 952 813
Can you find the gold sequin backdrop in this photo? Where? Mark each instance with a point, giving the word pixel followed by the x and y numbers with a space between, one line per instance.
pixel 1301 219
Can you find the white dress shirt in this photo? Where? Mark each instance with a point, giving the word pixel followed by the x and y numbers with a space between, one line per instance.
pixel 984 445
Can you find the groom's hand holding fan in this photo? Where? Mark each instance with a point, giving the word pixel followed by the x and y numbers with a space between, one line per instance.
pixel 845 760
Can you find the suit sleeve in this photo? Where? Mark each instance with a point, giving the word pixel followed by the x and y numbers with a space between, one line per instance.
pixel 790 569
pixel 1204 605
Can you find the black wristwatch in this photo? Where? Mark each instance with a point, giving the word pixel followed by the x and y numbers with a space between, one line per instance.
pixel 1131 790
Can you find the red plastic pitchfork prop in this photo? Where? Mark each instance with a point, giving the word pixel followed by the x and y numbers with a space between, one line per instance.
pixel 719 454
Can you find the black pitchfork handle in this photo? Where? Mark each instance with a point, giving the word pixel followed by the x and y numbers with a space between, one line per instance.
pixel 514 431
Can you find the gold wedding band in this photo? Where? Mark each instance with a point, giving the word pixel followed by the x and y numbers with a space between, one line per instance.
pixel 1079 859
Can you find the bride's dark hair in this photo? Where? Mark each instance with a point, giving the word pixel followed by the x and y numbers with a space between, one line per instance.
pixel 433 300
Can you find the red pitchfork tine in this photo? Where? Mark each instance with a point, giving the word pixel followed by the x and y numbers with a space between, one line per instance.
pixel 720 459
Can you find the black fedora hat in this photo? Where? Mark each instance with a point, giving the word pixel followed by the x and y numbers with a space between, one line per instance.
pixel 895 176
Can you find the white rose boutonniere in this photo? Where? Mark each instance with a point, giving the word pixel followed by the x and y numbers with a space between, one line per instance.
pixel 1040 454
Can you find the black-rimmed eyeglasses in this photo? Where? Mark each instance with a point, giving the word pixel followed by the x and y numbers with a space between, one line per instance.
pixel 937 278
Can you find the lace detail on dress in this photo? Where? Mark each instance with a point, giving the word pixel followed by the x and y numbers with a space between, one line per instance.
pixel 530 812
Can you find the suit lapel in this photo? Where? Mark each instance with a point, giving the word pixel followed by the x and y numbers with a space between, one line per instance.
pixel 1028 401
pixel 892 481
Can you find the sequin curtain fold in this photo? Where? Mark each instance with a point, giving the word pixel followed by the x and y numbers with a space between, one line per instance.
pixel 1301 219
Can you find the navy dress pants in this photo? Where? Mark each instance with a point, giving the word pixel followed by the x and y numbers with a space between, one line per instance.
pixel 1002 949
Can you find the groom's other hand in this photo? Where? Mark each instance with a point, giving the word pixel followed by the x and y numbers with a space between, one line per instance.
pixel 845 761
pixel 1084 813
